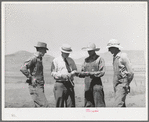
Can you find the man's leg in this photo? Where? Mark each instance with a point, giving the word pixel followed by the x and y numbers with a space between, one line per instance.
pixel 89 100
pixel 59 93
pixel 120 96
pixel 98 95
pixel 38 95
pixel 70 97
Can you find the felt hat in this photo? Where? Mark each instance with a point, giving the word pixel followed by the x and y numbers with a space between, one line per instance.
pixel 41 44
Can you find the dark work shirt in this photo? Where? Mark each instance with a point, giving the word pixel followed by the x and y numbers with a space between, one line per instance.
pixel 33 67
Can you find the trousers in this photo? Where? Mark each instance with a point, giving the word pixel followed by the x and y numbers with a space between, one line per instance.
pixel 121 92
pixel 64 94
pixel 94 96
pixel 38 96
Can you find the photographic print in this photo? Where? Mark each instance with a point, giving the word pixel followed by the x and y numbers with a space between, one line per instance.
pixel 74 60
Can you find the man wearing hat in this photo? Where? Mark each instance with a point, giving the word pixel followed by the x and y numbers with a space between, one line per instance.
pixel 123 73
pixel 92 70
pixel 63 70
pixel 33 70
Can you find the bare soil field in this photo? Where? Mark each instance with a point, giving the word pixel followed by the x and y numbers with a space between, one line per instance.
pixel 17 95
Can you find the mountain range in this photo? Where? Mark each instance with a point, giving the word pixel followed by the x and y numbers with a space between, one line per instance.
pixel 14 61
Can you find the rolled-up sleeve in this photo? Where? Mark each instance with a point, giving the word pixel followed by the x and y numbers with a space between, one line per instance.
pixel 128 66
pixel 26 66
pixel 54 73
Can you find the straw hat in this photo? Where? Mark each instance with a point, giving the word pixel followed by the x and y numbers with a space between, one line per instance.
pixel 91 46
pixel 65 48
pixel 114 43
pixel 41 44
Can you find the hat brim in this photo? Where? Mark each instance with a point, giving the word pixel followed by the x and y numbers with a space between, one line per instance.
pixel 117 46
pixel 41 47
pixel 89 49
pixel 65 51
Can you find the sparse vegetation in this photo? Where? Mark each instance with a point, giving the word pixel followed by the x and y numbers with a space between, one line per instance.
pixel 15 86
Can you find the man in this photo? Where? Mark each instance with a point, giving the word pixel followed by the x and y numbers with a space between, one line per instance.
pixel 123 73
pixel 33 70
pixel 92 70
pixel 63 70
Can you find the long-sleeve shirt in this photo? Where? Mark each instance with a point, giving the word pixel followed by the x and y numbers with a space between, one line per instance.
pixel 58 68
pixel 33 68
pixel 95 65
pixel 122 68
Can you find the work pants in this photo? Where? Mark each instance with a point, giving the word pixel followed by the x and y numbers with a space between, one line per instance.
pixel 121 92
pixel 94 96
pixel 38 96
pixel 64 94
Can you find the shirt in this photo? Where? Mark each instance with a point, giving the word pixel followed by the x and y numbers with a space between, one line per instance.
pixel 33 67
pixel 95 65
pixel 58 68
pixel 122 68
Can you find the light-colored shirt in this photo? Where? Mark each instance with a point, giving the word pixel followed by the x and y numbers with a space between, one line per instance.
pixel 122 68
pixel 58 68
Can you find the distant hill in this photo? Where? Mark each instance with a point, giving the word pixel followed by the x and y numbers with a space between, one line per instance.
pixel 137 57
pixel 14 61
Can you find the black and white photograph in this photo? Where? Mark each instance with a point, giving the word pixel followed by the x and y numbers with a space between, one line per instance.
pixel 74 60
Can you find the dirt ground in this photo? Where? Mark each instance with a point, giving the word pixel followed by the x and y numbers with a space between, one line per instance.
pixel 17 95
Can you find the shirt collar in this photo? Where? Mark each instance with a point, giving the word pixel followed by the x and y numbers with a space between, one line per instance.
pixel 38 55
pixel 118 54
pixel 93 57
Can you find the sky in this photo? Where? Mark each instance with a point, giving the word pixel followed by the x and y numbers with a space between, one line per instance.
pixel 74 23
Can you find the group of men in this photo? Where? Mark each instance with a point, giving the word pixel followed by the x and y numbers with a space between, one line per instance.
pixel 63 70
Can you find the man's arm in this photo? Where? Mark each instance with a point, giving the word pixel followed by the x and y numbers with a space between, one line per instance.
pixel 27 65
pixel 54 73
pixel 128 66
pixel 57 75
pixel 101 69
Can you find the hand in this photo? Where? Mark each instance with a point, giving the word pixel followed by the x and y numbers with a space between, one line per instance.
pixel 69 75
pixel 29 80
pixel 81 75
pixel 77 73
pixel 97 74
pixel 64 76
pixel 130 77
pixel 87 73
pixel 34 82
pixel 94 74
pixel 73 73
pixel 128 88
pixel 91 73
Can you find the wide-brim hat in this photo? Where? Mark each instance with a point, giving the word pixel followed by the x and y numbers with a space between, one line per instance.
pixel 90 47
pixel 41 45
pixel 66 48
pixel 114 43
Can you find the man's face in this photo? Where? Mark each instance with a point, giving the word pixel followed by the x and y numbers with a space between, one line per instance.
pixel 112 50
pixel 43 51
pixel 92 52
pixel 65 55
